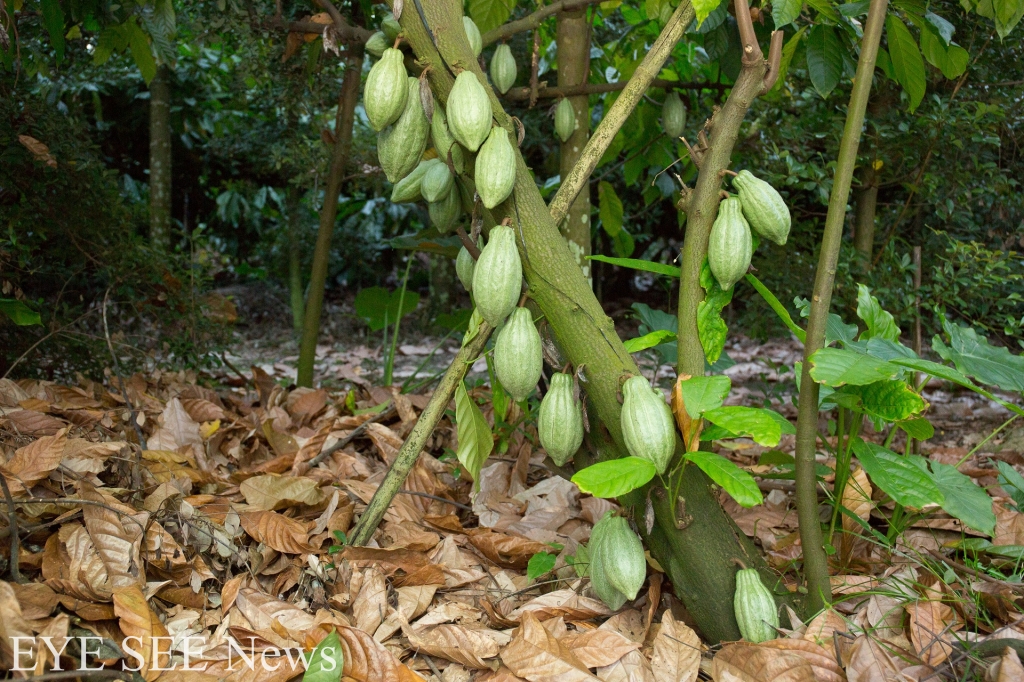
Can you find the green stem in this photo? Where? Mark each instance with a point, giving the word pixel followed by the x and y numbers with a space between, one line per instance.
pixel 815 560
pixel 987 439
pixel 777 306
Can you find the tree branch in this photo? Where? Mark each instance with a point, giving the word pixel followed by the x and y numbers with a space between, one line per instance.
pixel 774 62
pixel 523 93
pixel 534 20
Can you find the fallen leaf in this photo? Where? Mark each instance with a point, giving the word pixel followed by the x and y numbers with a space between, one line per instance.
pixel 34 462
pixel 596 648
pixel 1008 668
pixel 930 624
pixel 869 662
pixel 534 654
pixel 370 606
pixel 276 531
pixel 141 626
pixel 676 656
pixel 823 662
pixel 276 492
pixel 116 532
pixel 744 662
pixel 458 643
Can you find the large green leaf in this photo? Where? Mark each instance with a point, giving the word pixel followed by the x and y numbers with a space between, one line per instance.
pixel 1012 482
pixel 754 422
pixel 880 323
pixel 638 264
pixel 490 14
pixel 649 340
pixel 824 58
pixel 379 307
pixel 53 21
pixel 737 482
pixel 950 60
pixel 919 428
pixel 890 400
pixel 615 477
pixel 896 476
pixel 609 208
pixel 19 313
pixel 837 366
pixel 475 439
pixel 326 661
pixel 963 499
pixel 703 8
pixel 703 393
pixel 777 306
pixel 138 43
pixel 785 12
pixel 906 59
pixel 711 328
pixel 973 355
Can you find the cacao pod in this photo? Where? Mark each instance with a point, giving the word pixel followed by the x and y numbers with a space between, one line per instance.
pixel 476 41
pixel 763 207
pixel 498 277
pixel 518 356
pixel 408 188
pixel 464 267
pixel 503 68
pixel 443 140
pixel 617 564
pixel 392 29
pixel 560 420
pixel 647 423
pixel 730 245
pixel 400 147
pixel 377 43
pixel 387 90
pixel 495 172
pixel 755 608
pixel 469 111
pixel 445 213
pixel 565 120
pixel 673 116
pixel 437 183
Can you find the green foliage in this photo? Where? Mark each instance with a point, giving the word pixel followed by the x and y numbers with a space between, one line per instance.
pixel 475 439
pixel 327 660
pixel 740 485
pixel 615 477
pixel 380 307
pixel 540 563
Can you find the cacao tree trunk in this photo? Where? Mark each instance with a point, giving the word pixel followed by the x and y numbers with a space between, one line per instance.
pixel 347 101
pixel 573 40
pixel 160 159
pixel 294 261
pixel 864 218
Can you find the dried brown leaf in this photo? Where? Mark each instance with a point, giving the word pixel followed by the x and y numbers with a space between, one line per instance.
pixel 633 667
pixel 676 656
pixel 564 603
pixel 116 532
pixel 822 627
pixel 37 601
pixel 535 654
pixel 457 643
pixel 930 625
pixel 370 606
pixel 689 427
pixel 34 462
pixel 140 625
pixel 39 150
pixel 869 662
pixel 262 610
pixel 276 492
pixel 744 662
pixel 596 648
pixel 276 531
pixel 1008 668
pixel 177 429
pixel 822 661
pixel 12 624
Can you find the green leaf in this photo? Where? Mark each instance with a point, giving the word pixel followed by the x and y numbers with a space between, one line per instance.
pixel 649 340
pixel 1012 482
pixel 711 328
pixel 138 43
pixel 973 355
pixel 837 366
pixel 906 59
pixel 936 370
pixel 19 313
pixel 918 429
pixel 785 12
pixel 378 306
pixel 637 264
pixel 615 477
pixel 754 422
pixel 475 439
pixel 703 393
pixel 942 28
pixel 951 61
pixel 896 476
pixel 891 400
pixel 880 323
pixel 326 661
pixel 703 8
pixel 624 244
pixel 490 14
pixel 824 58
pixel 826 10
pixel 652 320
pixel 53 21
pixel 540 563
pixel 610 208
pixel 737 482
pixel 963 499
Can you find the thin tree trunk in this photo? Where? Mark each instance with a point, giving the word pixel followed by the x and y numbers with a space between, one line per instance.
pixel 295 260
pixel 160 159
pixel 864 218
pixel 573 40
pixel 815 560
pixel 321 252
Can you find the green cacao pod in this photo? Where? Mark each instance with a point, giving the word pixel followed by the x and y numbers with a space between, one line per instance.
pixel 673 116
pixel 503 68
pixel 617 564
pixel 756 612
pixel 730 245
pixel 400 146
pixel 565 120
pixel 464 267
pixel 437 183
pixel 408 188
pixel 647 423
pixel 476 41
pixel 445 213
pixel 443 140
pixel 495 172
pixel 518 356
pixel 763 207
pixel 498 277
pixel 377 43
pixel 387 90
pixel 469 111
pixel 560 420
pixel 392 29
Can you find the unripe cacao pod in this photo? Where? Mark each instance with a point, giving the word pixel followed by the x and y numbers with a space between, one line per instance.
pixel 755 608
pixel 400 146
pixel 377 43
pixel 730 245
pixel 647 423
pixel 392 29
pixel 443 140
pixel 437 182
pixel 408 188
pixel 469 111
pixel 617 564
pixel 565 120
pixel 560 420
pixel 495 172
pixel 498 277
pixel 518 355
pixel 763 207
pixel 387 90
pixel 476 41
pixel 464 267
pixel 503 68
pixel 445 213
pixel 673 116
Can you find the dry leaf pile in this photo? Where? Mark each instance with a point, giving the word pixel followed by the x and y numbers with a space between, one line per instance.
pixel 223 538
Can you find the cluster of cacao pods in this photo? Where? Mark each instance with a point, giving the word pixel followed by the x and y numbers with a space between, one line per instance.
pixel 730 246
pixel 648 427
pixel 754 605
pixel 617 564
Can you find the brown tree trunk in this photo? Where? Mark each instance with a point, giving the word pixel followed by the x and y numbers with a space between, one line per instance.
pixel 160 159
pixel 295 260
pixel 864 217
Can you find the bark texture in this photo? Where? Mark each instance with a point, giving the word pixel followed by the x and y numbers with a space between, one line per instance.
pixel 864 218
pixel 160 159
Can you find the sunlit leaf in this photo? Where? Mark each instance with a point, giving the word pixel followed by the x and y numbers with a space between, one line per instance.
pixel 737 482
pixel 615 477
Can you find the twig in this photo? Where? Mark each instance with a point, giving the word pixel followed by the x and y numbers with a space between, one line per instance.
pixel 120 381
pixel 953 563
pixel 96 674
pixel 774 62
pixel 523 93
pixel 245 379
pixel 12 521
pixel 356 433
pixel 473 249
pixel 535 69
pixel 534 20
